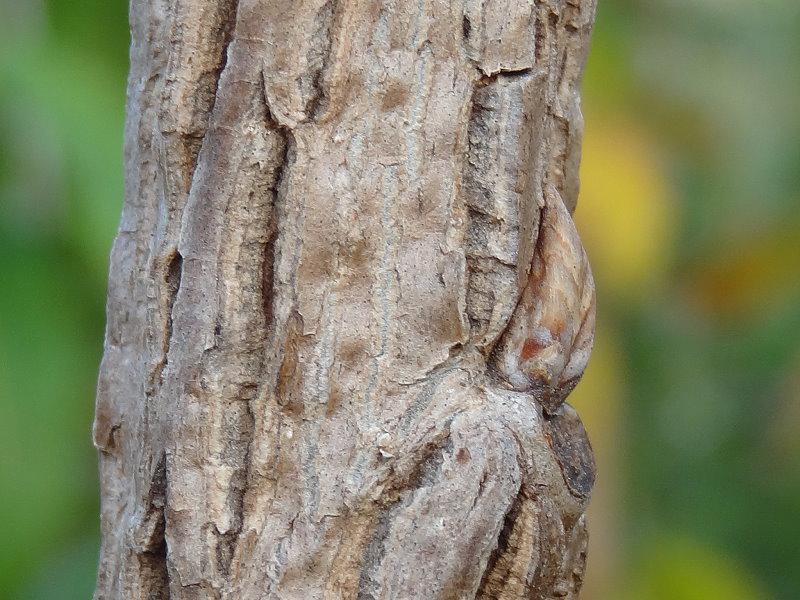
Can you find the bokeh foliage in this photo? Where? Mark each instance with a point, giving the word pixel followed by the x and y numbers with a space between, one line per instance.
pixel 690 214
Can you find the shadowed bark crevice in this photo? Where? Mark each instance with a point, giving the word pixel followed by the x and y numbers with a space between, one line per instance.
pixel 172 282
pixel 269 254
pixel 152 554
pixel 492 572
pixel 493 212
pixel 319 56
pixel 193 79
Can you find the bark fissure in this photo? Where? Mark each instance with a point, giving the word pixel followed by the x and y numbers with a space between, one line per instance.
pixel 509 521
pixel 319 55
pixel 488 79
pixel 172 280
pixel 152 552
pixel 492 221
pixel 191 86
pixel 268 270
pixel 244 433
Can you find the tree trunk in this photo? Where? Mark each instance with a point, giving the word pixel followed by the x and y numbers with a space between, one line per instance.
pixel 346 303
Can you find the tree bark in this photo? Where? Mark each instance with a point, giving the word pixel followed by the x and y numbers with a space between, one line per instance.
pixel 347 301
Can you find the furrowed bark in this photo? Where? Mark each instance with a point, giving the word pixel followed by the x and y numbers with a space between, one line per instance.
pixel 347 302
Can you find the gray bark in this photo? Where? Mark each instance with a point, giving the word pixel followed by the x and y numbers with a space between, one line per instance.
pixel 346 304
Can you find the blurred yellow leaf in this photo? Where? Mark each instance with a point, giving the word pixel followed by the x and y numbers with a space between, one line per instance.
pixel 599 398
pixel 625 214
pixel 602 387
pixel 684 569
pixel 749 274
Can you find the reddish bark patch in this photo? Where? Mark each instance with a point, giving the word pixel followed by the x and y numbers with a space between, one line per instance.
pixel 530 348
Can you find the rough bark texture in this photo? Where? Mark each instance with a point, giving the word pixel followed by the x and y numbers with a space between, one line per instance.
pixel 347 301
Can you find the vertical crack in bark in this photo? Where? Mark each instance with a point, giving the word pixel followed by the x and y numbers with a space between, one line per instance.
pixel 231 14
pixel 466 28
pixel 193 85
pixel 268 267
pixel 152 551
pixel 540 36
pixel 495 571
pixel 187 103
pixel 172 271
pixel 228 541
pixel 244 424
pixel 487 275
pixel 268 276
pixel 278 192
pixel 318 58
pixel 241 428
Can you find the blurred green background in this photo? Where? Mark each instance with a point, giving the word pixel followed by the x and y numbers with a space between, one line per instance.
pixel 690 212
